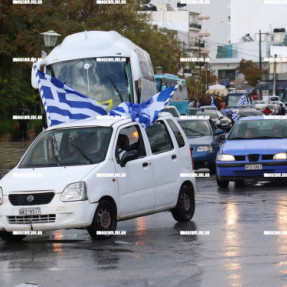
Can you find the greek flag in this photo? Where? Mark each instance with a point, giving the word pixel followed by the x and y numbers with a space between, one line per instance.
pixel 242 101
pixel 212 100
pixel 63 104
pixel 235 116
pixel 147 112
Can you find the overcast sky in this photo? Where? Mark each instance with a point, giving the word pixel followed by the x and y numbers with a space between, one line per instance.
pixel 246 16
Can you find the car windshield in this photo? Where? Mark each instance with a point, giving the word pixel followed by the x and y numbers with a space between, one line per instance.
pixel 259 129
pixel 63 147
pixel 195 128
pixel 106 80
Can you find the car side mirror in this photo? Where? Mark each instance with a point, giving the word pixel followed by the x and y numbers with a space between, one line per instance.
pixel 218 132
pixel 128 156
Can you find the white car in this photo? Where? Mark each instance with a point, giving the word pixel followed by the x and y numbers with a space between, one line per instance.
pixel 93 173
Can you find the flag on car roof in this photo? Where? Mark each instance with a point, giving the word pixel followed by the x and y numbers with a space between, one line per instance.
pixel 63 104
pixel 242 101
pixel 235 116
pixel 147 112
pixel 212 100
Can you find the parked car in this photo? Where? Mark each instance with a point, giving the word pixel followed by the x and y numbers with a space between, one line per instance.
pixel 204 140
pixel 76 175
pixel 255 147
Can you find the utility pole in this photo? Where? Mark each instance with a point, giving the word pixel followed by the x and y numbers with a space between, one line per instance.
pixel 274 76
pixel 260 61
pixel 199 54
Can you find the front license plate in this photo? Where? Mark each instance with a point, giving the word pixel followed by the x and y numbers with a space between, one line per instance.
pixel 29 211
pixel 253 166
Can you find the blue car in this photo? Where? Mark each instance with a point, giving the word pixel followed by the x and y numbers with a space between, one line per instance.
pixel 204 140
pixel 256 148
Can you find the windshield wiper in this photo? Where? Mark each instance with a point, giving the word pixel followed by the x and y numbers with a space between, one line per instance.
pixel 82 153
pixel 191 130
pixel 114 85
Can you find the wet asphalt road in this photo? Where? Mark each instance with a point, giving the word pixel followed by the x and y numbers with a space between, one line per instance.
pixel 153 253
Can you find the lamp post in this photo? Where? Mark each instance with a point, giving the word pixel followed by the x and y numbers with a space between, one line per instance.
pixel 50 38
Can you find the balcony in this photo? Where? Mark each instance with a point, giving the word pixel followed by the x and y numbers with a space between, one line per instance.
pixel 195 26
pixel 204 34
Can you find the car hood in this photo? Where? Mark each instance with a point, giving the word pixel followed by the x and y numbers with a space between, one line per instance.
pixel 48 178
pixel 262 146
pixel 204 140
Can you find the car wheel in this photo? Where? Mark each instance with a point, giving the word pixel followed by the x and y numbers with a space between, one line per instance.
pixel 9 237
pixel 105 219
pixel 185 206
pixel 222 183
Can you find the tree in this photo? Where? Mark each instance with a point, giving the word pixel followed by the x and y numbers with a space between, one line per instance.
pixel 251 72
pixel 21 25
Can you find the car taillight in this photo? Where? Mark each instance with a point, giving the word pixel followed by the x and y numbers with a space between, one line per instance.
pixel 191 149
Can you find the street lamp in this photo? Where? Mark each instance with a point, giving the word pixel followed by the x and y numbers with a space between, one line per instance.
pixel 158 70
pixel 50 38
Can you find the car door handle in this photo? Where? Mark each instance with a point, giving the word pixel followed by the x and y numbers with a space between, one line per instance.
pixel 145 164
pixel 173 156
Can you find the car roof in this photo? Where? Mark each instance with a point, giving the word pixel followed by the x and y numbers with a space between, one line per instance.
pixel 102 121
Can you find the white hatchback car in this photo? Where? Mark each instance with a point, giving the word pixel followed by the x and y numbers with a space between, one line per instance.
pixel 93 173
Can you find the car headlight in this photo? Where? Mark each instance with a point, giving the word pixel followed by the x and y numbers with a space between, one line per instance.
pixel 280 155
pixel 74 191
pixel 204 148
pixel 1 195
pixel 225 157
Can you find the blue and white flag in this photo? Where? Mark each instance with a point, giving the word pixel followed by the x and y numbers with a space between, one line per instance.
pixel 235 116
pixel 147 112
pixel 242 101
pixel 63 104
pixel 212 100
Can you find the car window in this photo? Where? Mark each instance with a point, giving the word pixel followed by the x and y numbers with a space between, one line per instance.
pixel 159 138
pixel 130 138
pixel 177 133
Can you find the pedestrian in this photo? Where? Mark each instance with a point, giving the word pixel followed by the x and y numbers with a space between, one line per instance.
pixel 267 111
pixel 281 110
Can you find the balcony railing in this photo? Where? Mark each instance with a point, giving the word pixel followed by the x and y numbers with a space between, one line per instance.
pixel 194 25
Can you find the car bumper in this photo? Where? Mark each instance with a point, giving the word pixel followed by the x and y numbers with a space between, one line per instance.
pixel 236 171
pixel 55 215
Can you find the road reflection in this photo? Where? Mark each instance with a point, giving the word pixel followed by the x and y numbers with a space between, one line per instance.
pixel 58 235
pixel 232 245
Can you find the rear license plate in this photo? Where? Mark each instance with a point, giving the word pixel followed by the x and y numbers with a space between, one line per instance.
pixel 253 166
pixel 29 211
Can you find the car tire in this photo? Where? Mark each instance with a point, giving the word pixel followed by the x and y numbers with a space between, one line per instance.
pixel 185 207
pixel 222 183
pixel 9 237
pixel 105 219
